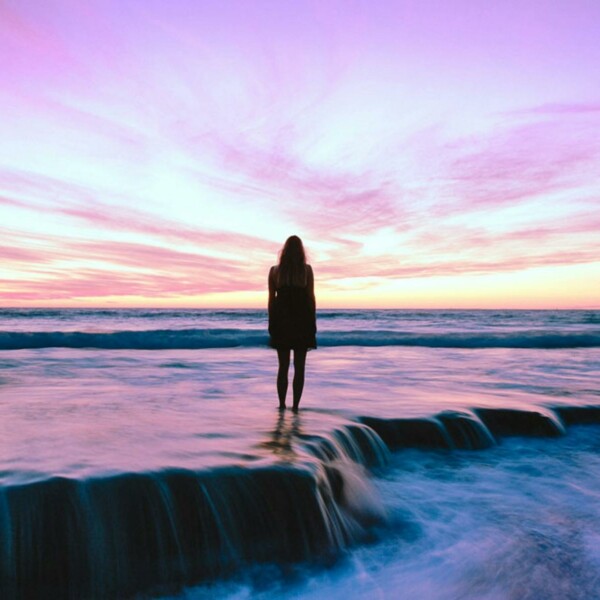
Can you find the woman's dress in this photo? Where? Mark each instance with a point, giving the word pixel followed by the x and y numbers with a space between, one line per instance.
pixel 292 319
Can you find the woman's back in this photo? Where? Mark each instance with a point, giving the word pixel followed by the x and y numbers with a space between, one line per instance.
pixel 292 318
pixel 293 277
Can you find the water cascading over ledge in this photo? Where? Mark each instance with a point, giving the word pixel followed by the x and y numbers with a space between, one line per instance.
pixel 154 533
pixel 118 536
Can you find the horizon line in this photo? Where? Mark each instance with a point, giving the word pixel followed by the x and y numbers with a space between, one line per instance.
pixel 214 308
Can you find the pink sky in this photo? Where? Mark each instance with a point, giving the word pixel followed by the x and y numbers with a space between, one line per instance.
pixel 434 154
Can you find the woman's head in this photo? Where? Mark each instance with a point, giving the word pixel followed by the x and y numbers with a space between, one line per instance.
pixel 292 251
pixel 292 262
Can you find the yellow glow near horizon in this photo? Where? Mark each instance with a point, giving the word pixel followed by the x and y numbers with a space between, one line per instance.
pixel 543 288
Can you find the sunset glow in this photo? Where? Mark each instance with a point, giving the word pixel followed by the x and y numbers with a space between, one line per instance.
pixel 430 154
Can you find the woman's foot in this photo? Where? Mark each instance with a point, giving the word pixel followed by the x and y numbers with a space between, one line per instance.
pixel 281 407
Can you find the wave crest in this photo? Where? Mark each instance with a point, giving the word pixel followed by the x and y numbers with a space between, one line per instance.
pixel 192 339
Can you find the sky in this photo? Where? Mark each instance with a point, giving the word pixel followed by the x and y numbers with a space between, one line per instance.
pixel 430 153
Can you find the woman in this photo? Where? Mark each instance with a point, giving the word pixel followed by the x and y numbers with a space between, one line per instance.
pixel 292 315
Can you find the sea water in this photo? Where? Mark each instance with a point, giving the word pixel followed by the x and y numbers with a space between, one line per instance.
pixel 437 454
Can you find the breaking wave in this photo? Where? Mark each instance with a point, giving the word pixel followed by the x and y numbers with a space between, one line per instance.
pixel 192 339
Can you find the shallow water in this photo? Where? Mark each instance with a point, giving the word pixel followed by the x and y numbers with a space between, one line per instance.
pixel 84 412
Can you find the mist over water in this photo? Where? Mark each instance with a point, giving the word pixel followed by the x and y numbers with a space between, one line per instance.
pixel 400 477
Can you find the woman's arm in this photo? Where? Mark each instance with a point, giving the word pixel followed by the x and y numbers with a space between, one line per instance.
pixel 310 289
pixel 271 288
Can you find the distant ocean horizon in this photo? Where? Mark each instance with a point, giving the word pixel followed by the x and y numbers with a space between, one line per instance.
pixel 110 306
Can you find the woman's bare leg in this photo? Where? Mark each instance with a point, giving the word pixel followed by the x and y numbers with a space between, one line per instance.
pixel 282 375
pixel 298 385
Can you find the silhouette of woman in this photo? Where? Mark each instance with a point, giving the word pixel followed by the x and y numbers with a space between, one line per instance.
pixel 292 315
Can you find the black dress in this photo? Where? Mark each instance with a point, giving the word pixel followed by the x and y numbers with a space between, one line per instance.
pixel 292 319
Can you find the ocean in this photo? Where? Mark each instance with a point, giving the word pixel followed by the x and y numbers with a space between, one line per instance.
pixel 437 454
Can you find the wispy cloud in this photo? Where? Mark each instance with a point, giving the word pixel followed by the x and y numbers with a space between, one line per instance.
pixel 523 161
pixel 51 196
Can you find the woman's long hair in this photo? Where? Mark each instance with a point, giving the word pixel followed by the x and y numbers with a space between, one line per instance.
pixel 291 269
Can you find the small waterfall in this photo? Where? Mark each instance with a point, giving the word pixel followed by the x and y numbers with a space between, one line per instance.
pixel 466 430
pixel 122 535
pixel 507 422
pixel 476 429
pixel 410 433
pixel 344 457
pixel 354 443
